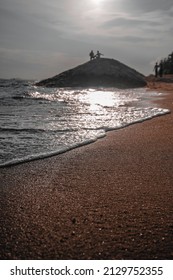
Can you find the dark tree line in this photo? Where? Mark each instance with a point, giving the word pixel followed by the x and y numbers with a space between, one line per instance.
pixel 168 64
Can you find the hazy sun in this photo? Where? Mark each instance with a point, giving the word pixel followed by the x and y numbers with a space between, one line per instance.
pixel 97 1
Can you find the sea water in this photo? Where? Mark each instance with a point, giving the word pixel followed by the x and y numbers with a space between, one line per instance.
pixel 37 122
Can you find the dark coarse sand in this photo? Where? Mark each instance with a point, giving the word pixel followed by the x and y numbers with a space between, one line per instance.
pixel 112 199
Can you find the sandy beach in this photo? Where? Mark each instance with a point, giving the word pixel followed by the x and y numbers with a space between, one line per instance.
pixel 112 199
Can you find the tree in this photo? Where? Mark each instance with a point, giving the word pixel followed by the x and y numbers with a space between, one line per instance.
pixel 168 64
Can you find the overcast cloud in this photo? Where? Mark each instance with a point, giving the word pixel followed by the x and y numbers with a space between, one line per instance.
pixel 40 38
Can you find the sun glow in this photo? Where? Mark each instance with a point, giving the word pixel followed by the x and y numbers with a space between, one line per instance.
pixel 97 1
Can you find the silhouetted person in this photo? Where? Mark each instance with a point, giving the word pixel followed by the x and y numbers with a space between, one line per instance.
pixel 156 68
pixel 98 54
pixel 92 56
pixel 161 69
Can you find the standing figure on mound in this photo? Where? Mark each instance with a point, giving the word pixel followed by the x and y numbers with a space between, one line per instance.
pixel 156 67
pixel 98 54
pixel 91 54
pixel 161 69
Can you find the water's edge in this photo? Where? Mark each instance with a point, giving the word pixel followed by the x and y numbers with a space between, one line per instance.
pixel 77 145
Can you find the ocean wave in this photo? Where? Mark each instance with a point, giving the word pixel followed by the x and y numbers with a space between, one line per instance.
pixel 32 130
pixel 48 154
pixel 18 97
pixel 15 83
pixel 17 130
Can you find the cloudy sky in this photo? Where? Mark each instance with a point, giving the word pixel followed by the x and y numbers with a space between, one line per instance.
pixel 41 38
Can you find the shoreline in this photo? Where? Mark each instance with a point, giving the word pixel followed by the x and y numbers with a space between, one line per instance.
pixel 111 199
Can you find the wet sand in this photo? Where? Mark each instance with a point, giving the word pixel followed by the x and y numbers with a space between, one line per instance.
pixel 112 199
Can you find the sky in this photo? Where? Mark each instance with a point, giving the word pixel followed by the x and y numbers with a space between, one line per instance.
pixel 40 38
